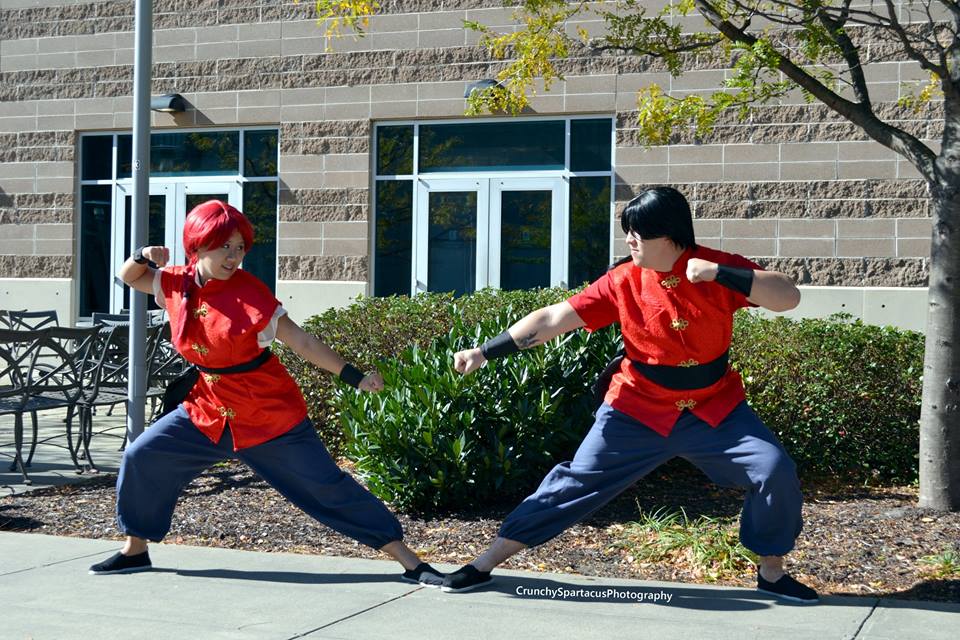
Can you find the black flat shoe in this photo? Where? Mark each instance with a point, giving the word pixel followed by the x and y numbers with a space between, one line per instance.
pixel 465 578
pixel 423 574
pixel 119 563
pixel 788 589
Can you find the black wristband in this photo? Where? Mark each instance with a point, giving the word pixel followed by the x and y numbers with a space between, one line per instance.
pixel 502 345
pixel 351 375
pixel 735 278
pixel 139 258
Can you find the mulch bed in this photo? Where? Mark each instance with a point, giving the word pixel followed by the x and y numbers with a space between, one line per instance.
pixel 862 541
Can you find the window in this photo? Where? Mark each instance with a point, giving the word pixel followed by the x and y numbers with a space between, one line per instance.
pixel 513 204
pixel 187 167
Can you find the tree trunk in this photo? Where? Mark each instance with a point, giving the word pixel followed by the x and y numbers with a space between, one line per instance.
pixel 940 412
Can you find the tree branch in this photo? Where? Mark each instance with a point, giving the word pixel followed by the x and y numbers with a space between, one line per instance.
pixel 850 53
pixel 889 136
pixel 915 55
pixel 693 46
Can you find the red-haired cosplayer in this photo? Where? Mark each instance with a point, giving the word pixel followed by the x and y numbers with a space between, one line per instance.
pixel 245 405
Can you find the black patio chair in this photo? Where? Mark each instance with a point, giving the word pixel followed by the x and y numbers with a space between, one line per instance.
pixel 57 381
pixel 110 319
pixel 105 380
pixel 17 354
pixel 32 320
pixel 42 370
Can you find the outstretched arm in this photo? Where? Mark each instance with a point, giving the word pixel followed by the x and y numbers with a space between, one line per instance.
pixel 768 289
pixel 316 352
pixel 533 329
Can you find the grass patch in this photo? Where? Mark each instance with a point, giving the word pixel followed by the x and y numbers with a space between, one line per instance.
pixel 945 564
pixel 708 547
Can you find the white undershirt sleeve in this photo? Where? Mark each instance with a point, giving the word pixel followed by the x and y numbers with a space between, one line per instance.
pixel 266 337
pixel 158 290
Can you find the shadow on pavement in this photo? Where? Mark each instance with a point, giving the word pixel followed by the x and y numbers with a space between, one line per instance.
pixel 288 577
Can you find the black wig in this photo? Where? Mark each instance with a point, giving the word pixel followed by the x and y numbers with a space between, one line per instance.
pixel 661 212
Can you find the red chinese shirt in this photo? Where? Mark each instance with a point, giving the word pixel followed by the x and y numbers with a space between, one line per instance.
pixel 667 320
pixel 229 322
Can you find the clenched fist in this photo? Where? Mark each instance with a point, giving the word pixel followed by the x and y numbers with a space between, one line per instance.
pixel 372 382
pixel 160 256
pixel 468 360
pixel 701 270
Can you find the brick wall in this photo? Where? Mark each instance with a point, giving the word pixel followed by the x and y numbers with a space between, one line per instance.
pixel 796 187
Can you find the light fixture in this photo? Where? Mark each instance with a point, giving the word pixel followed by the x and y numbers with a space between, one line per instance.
pixel 169 103
pixel 479 85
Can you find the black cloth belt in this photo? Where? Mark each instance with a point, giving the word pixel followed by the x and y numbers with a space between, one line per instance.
pixel 682 378
pixel 243 367
pixel 179 388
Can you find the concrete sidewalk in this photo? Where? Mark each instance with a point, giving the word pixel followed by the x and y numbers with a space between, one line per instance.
pixel 202 593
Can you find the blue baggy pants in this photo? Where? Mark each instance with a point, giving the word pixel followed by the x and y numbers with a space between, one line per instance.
pixel 172 452
pixel 618 451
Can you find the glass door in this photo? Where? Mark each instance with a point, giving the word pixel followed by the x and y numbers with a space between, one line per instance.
pixel 160 231
pixel 170 202
pixel 451 238
pixel 527 233
pixel 189 195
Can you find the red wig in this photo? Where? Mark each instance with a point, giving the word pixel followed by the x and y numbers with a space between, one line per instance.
pixel 211 224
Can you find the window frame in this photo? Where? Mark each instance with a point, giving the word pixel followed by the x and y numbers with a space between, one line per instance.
pixel 114 182
pixel 416 176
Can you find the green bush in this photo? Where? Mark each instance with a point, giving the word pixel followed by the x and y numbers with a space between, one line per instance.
pixel 434 439
pixel 842 396
pixel 373 330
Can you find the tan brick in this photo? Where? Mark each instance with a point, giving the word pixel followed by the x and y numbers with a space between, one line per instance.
pixel 807 229
pixel 346 230
pixel 885 228
pixel 347 111
pixel 750 246
pixel 761 171
pixel 641 156
pixel 866 247
pixel 16 247
pixel 587 102
pixel 864 151
pixel 914 228
pixel 695 154
pixel 735 153
pixel 347 162
pixel 806 247
pixel 808 170
pixel 341 179
pixel 712 243
pixel 398 40
pixel 299 247
pixel 440 108
pixel 300 230
pixel 808 152
pixel 54 231
pixel 706 228
pixel 697 80
pixel 393 109
pixel 696 173
pixel 913 248
pixel 749 228
pixel 53 247
pixel 441 38
pixel 885 169
pixel 18 231
pixel 345 247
